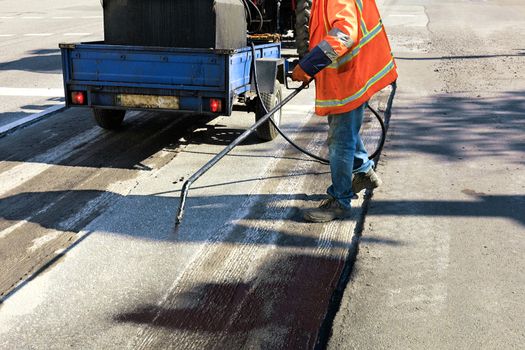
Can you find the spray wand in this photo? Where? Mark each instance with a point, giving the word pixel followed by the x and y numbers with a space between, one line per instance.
pixel 224 152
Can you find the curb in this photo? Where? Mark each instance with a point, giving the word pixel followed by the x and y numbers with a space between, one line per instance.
pixel 29 120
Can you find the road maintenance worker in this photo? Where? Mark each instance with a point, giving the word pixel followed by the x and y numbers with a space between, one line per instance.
pixel 350 59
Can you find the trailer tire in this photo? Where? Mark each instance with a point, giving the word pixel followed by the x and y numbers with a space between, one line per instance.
pixel 302 26
pixel 109 119
pixel 267 132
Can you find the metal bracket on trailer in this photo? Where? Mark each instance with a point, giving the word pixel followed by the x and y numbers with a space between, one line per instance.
pixel 268 70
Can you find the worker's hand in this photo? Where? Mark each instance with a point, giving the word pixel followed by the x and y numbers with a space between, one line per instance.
pixel 299 74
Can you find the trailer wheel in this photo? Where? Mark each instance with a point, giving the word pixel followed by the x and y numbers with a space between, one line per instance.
pixel 109 119
pixel 267 131
pixel 302 26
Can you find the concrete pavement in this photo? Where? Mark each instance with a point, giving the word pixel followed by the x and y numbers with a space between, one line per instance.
pixel 440 263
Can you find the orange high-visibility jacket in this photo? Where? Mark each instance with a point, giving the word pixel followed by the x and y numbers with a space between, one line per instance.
pixel 350 55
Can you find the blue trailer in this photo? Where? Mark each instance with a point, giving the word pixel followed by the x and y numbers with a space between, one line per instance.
pixel 111 79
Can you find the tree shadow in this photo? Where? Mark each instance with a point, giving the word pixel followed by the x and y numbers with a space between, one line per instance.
pixel 40 61
pixel 484 206
pixel 457 128
pixel 207 212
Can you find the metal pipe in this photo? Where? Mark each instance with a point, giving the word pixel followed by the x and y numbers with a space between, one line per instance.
pixel 224 152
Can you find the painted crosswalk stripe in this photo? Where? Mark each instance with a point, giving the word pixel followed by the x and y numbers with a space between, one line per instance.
pixel 31 92
pixel 38 34
pixel 76 34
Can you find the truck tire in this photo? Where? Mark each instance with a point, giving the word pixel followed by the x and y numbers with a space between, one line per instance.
pixel 109 119
pixel 267 132
pixel 302 26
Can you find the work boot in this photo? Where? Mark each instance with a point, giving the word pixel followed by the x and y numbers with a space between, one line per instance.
pixel 367 180
pixel 328 210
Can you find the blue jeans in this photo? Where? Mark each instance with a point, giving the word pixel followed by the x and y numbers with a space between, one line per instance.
pixel 347 153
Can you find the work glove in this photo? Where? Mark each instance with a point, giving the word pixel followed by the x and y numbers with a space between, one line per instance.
pixel 298 74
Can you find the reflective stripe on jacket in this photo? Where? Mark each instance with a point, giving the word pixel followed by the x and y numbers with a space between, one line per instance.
pixel 349 56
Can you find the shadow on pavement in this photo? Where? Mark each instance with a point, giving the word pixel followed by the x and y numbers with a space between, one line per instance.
pixel 41 61
pixel 141 136
pixel 458 128
pixel 282 307
pixel 10 117
pixel 57 210
pixel 491 206
pixel 443 119
pixel 63 207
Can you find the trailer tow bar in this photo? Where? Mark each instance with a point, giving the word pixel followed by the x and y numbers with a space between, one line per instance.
pixel 224 152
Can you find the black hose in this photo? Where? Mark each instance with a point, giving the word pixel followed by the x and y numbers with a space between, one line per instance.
pixel 256 83
pixel 243 136
pixel 383 133
pixel 248 12
pixel 300 149
pixel 259 13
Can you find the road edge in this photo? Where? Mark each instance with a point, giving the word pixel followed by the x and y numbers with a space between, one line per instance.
pixel 30 120
pixel 325 331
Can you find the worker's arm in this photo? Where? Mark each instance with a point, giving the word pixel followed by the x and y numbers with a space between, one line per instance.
pixel 342 18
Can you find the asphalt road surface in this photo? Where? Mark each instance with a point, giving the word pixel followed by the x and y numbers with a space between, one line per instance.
pixel 30 66
pixel 91 258
pixel 441 263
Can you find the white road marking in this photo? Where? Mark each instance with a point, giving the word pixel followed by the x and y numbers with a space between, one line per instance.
pixel 10 229
pixel 93 205
pixel 41 241
pixel 404 16
pixel 76 34
pixel 53 17
pixel 27 170
pixel 39 34
pixel 6 35
pixel 31 92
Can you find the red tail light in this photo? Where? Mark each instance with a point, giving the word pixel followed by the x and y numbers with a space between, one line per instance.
pixel 215 105
pixel 78 98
